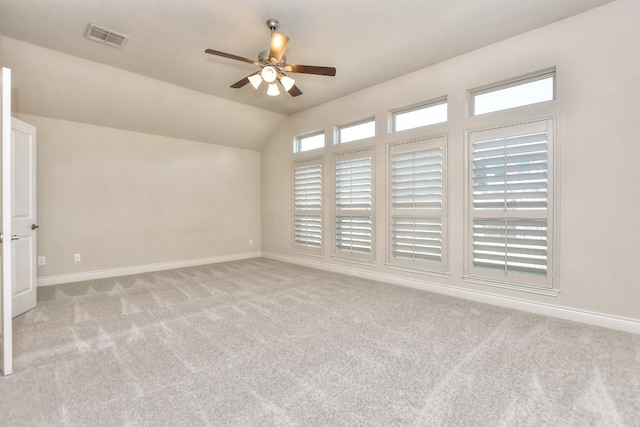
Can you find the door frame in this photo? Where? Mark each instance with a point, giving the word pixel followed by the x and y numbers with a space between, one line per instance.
pixel 6 351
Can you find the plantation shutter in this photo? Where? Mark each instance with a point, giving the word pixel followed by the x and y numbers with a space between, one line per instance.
pixel 510 173
pixel 416 178
pixel 353 184
pixel 353 233
pixel 308 206
pixel 416 197
pixel 353 203
pixel 510 244
pixel 510 203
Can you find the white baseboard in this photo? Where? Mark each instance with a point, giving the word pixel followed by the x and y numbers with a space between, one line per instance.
pixel 582 316
pixel 139 269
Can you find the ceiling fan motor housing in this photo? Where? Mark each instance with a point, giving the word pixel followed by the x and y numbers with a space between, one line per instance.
pixel 264 58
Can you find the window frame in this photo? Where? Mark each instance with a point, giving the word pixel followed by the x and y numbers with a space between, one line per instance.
pixel 417 107
pixel 338 130
pixel 546 285
pixel 354 212
pixel 308 212
pixel 297 141
pixel 428 267
pixel 506 84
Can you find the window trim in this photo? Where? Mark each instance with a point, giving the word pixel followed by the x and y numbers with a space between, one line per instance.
pixel 420 267
pixel 470 274
pixel 347 255
pixel 509 83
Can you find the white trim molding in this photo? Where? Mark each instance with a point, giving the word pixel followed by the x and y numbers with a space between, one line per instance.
pixel 139 269
pixel 565 313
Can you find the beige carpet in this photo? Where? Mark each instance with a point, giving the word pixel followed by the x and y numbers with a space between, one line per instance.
pixel 260 342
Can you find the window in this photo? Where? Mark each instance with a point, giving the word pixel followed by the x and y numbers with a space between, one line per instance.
pixel 309 142
pixel 422 115
pixel 524 91
pixel 353 204
pixel 356 131
pixel 510 207
pixel 417 195
pixel 307 182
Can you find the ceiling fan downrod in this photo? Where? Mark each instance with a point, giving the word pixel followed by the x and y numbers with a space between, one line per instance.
pixel 273 24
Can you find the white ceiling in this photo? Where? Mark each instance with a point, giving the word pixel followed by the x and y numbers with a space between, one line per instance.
pixel 368 41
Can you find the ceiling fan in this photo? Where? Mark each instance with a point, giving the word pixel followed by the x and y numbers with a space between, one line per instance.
pixel 273 65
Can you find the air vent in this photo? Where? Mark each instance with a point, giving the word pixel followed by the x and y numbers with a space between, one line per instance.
pixel 105 36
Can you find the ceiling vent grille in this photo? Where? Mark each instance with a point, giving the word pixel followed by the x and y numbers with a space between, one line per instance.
pixel 105 36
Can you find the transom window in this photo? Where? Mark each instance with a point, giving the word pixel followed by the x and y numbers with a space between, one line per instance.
pixel 517 93
pixel 422 115
pixel 355 131
pixel 312 141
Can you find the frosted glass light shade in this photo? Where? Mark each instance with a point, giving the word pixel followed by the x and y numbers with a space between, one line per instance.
pixel 287 82
pixel 273 90
pixel 255 80
pixel 269 74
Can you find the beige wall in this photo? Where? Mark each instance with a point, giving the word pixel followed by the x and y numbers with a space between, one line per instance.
pixel 53 84
pixel 123 199
pixel 598 150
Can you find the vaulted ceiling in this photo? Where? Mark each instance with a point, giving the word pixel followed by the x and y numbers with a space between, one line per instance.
pixel 368 41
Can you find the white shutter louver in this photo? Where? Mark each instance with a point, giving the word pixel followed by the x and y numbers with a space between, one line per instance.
pixel 511 244
pixel 353 234
pixel 416 179
pixel 308 206
pixel 353 184
pixel 308 230
pixel 308 187
pixel 416 195
pixel 510 173
pixel 416 238
pixel 353 202
pixel 509 194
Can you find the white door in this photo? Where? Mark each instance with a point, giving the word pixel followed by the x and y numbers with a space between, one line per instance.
pixel 6 351
pixel 23 216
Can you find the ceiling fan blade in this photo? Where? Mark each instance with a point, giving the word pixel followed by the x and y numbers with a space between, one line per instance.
pixel 310 69
pixel 278 46
pixel 243 82
pixel 294 91
pixel 231 56
pixel 240 83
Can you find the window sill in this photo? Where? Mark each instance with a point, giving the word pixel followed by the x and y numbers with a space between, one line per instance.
pixel 513 286
pixel 425 272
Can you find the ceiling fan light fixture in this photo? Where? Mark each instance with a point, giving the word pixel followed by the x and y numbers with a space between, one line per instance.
pixel 269 74
pixel 287 82
pixel 273 65
pixel 255 80
pixel 273 90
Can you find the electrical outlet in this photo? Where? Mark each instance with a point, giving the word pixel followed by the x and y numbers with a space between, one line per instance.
pixel 250 241
pixel 76 258
pixel 42 260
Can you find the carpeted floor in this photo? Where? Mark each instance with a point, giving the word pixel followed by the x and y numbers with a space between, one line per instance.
pixel 261 342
